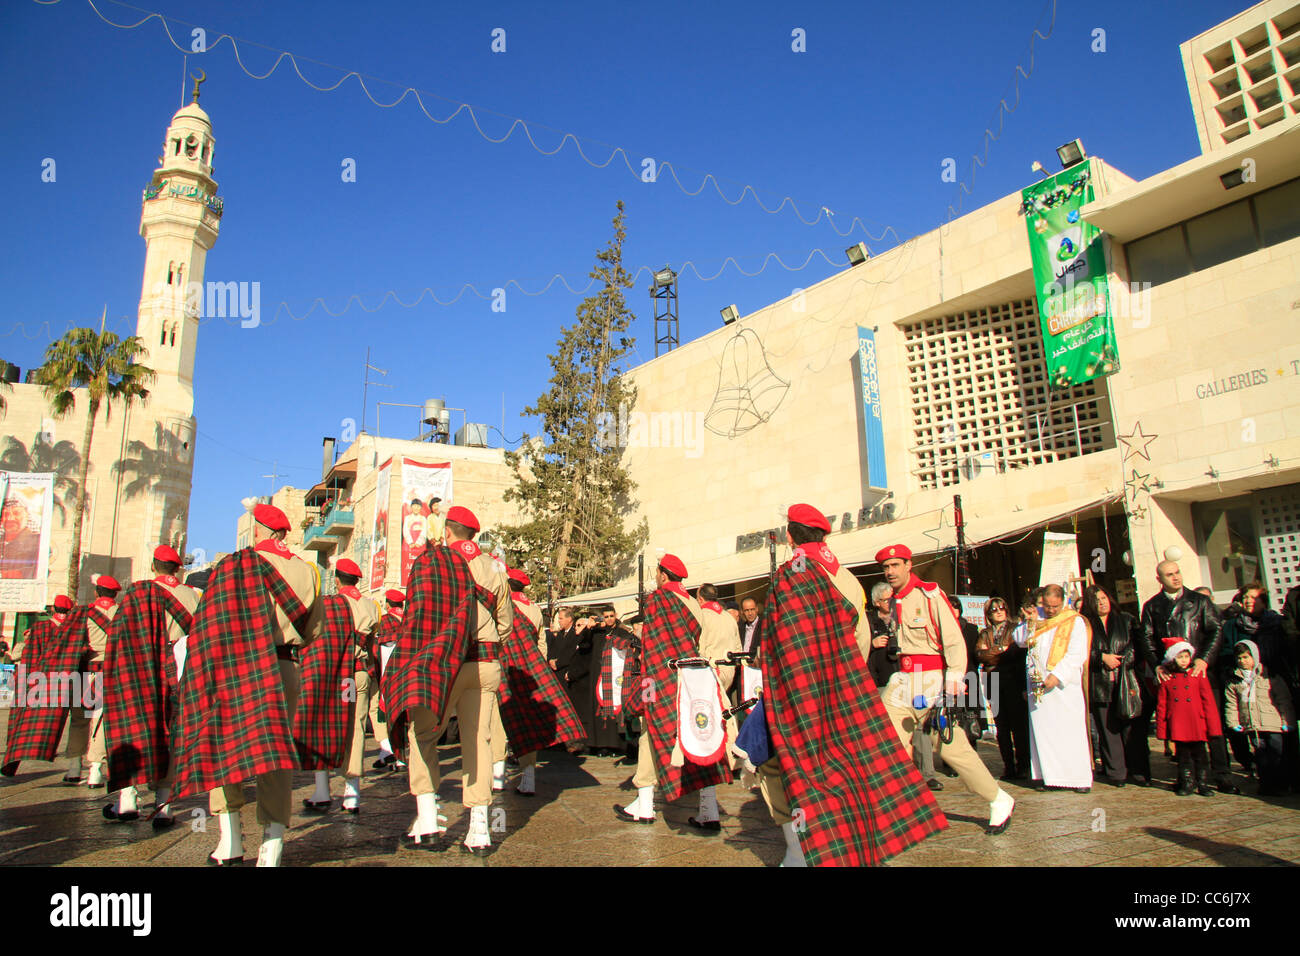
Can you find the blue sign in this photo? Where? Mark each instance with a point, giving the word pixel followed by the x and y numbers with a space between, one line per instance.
pixel 869 395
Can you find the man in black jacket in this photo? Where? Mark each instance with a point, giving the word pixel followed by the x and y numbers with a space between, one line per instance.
pixel 1179 614
pixel 569 650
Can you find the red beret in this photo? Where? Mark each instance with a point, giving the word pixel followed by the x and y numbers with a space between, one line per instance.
pixel 462 516
pixel 394 596
pixel 271 516
pixel 810 516
pixel 673 565
pixel 347 566
pixel 514 574
pixel 164 553
pixel 107 581
pixel 63 603
pixel 893 551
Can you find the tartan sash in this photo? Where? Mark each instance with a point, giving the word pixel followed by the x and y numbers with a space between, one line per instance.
pixel 670 632
pixel 628 681
pixel 34 730
pixel 234 720
pixel 140 684
pixel 436 637
pixel 859 797
pixel 322 725
pixel 535 708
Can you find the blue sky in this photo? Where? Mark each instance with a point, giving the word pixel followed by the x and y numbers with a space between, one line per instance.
pixel 859 123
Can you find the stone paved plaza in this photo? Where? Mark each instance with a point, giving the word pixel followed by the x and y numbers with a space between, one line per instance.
pixel 571 823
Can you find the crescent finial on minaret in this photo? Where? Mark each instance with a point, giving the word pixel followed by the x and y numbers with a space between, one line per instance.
pixel 198 81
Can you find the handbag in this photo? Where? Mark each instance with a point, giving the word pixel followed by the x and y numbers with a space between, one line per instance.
pixel 1128 694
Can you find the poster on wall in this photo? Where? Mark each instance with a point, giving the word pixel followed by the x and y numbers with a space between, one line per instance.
pixel 972 609
pixel 422 516
pixel 26 508
pixel 379 533
pixel 1061 563
pixel 1070 279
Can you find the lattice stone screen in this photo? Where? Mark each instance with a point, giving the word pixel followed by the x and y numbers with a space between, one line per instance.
pixel 980 397
pixel 1279 540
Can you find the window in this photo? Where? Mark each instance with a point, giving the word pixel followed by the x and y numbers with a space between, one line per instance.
pixel 1278 211
pixel 979 385
pixel 1219 236
pixel 1160 257
pixel 173 341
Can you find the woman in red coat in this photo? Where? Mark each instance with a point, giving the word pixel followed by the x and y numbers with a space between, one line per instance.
pixel 1187 714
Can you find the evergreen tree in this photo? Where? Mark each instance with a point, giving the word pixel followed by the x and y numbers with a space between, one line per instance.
pixel 573 490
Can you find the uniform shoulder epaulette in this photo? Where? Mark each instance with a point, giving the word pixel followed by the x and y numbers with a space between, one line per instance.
pixel 928 586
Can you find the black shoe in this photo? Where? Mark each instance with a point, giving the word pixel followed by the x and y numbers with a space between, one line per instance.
pixel 707 826
pixel 71 781
pixel 317 806
pixel 1118 784
pixel 935 785
pixel 111 814
pixel 353 810
pixel 232 861
pixel 163 823
pixel 1138 780
pixel 1226 786
pixel 384 763
pixel 1185 787
pixel 1008 776
pixel 948 771
pixel 433 842
pixel 628 818
pixel 526 793
pixel 1038 785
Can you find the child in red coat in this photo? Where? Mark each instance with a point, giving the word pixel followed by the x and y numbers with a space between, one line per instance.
pixel 1187 714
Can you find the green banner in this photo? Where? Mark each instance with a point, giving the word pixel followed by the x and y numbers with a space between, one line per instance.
pixel 1070 279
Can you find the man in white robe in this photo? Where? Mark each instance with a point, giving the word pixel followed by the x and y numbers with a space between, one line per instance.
pixel 1058 711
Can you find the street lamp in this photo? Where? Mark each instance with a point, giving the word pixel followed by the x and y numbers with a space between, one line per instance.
pixel 1071 154
pixel 729 314
pixel 858 254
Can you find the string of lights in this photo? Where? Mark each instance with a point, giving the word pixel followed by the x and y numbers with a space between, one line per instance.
pixel 635 168
pixel 1003 110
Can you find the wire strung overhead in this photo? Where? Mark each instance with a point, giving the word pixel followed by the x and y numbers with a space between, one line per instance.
pixel 635 168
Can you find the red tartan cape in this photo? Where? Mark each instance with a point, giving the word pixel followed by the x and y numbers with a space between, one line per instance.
pixel 234 723
pixel 670 633
pixel 35 729
pixel 631 681
pixel 37 641
pixel 140 685
pixel 535 709
pixel 322 726
pixel 436 637
pixel 859 798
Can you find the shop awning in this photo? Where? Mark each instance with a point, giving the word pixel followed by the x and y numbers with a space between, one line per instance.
pixel 925 534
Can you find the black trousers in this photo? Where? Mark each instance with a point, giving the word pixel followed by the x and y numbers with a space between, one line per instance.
pixel 1012 720
pixel 1270 757
pixel 1116 743
pixel 1191 757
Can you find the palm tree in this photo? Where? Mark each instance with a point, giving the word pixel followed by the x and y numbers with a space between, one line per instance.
pixel 61 459
pixel 105 365
pixel 4 386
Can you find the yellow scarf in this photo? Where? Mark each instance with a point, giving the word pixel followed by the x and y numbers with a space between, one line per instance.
pixel 1063 626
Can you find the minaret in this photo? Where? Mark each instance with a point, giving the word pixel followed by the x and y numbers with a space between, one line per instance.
pixel 179 221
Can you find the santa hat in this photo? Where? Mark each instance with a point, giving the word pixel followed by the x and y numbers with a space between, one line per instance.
pixel 1177 648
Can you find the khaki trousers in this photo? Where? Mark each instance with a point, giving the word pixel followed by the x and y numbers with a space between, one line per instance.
pixel 367 696
pixel 647 775
pixel 97 749
pixel 473 695
pixel 772 785
pixel 898 699
pixel 378 726
pixel 499 740
pixel 274 789
pixel 78 733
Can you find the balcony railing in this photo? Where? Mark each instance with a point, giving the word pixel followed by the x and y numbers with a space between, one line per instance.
pixel 324 534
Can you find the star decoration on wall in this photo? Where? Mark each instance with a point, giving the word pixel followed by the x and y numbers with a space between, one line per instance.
pixel 1139 513
pixel 1137 483
pixel 1133 439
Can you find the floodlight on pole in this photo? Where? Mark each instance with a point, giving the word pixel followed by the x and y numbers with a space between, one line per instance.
pixel 729 314
pixel 858 254
pixel 664 277
pixel 1071 154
